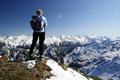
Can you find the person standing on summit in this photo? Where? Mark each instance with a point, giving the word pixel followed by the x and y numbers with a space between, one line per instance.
pixel 38 24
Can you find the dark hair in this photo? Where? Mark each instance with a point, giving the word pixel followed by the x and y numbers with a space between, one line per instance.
pixel 39 12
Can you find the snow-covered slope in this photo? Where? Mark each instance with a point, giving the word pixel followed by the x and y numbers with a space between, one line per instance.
pixel 60 73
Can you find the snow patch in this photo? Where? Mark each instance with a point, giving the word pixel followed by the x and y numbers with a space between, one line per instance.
pixel 60 74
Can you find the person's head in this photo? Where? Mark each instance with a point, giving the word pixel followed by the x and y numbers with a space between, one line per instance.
pixel 39 12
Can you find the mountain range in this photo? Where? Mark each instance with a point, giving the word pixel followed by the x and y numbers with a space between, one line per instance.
pixel 94 56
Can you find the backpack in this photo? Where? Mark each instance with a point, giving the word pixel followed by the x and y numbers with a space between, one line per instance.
pixel 36 23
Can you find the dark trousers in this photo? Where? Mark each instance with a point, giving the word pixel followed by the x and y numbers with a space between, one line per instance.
pixel 41 37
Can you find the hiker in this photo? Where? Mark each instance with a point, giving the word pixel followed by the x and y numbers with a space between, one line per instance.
pixel 38 24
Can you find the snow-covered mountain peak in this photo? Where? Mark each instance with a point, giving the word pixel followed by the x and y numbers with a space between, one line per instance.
pixel 52 40
pixel 74 39
pixel 16 40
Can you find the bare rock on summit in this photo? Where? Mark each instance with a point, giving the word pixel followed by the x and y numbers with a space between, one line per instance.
pixel 20 71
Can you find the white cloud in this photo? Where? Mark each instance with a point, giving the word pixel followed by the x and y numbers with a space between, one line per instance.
pixel 59 15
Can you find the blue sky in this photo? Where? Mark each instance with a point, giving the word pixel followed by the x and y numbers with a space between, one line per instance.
pixel 65 17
